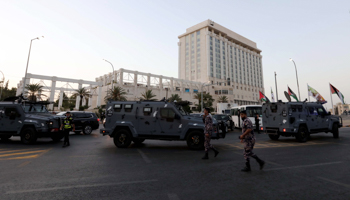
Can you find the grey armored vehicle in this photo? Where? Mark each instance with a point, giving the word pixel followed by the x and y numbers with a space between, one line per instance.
pixel 298 119
pixel 27 120
pixel 136 121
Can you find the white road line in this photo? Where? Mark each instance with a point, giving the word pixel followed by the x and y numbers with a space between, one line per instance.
pixel 335 182
pixel 302 166
pixel 77 186
pixel 173 197
pixel 145 158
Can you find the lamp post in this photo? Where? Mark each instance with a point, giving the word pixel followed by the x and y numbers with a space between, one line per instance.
pixel 2 85
pixel 25 76
pixel 296 72
pixel 113 73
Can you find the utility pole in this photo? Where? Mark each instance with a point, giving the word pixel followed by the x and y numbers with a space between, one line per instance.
pixel 276 87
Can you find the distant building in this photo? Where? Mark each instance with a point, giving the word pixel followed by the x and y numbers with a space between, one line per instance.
pixel 209 52
pixel 340 109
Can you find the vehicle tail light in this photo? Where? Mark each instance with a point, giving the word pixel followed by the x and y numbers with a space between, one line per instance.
pixel 98 119
pixel 54 130
pixel 262 128
pixel 284 130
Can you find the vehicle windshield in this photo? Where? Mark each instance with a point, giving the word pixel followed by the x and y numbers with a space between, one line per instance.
pixel 252 111
pixel 182 111
pixel 35 108
pixel 221 117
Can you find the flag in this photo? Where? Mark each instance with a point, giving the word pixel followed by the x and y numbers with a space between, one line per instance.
pixel 316 95
pixel 272 96
pixel 263 97
pixel 292 94
pixel 337 92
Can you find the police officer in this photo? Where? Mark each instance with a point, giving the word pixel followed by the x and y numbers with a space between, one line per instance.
pixel 66 126
pixel 248 138
pixel 257 123
pixel 208 130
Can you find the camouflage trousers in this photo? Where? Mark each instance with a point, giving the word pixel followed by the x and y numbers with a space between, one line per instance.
pixel 207 144
pixel 248 148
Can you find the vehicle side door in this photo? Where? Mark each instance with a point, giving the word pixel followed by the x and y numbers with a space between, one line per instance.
pixel 147 116
pixel 322 118
pixel 169 122
pixel 10 119
pixel 312 117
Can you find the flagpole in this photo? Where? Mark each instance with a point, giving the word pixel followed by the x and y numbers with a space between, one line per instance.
pixel 276 87
pixel 330 91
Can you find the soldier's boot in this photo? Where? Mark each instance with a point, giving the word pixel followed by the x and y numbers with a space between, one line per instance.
pixel 261 162
pixel 216 152
pixel 205 156
pixel 246 168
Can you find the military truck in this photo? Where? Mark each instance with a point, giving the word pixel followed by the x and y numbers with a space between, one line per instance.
pixel 128 121
pixel 298 119
pixel 29 120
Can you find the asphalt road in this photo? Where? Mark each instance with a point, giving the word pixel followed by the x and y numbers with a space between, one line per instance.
pixel 93 168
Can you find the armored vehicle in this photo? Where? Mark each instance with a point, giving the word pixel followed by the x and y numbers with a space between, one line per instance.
pixel 29 120
pixel 136 121
pixel 298 119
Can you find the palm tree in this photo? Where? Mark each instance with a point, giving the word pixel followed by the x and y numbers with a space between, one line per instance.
pixel 116 94
pixel 82 93
pixel 175 97
pixel 34 91
pixel 207 101
pixel 223 99
pixel 148 95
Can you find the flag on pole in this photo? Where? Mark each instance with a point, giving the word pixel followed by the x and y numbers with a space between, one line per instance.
pixel 272 96
pixel 263 97
pixel 337 92
pixel 316 95
pixel 292 94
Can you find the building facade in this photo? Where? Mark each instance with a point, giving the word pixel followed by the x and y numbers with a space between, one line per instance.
pixel 211 53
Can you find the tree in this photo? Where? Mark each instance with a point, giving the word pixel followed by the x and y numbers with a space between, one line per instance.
pixel 34 91
pixel 207 101
pixel 82 93
pixel 223 99
pixel 6 92
pixel 148 95
pixel 175 97
pixel 116 94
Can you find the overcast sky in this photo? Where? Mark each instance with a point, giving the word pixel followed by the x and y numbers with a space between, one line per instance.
pixel 142 35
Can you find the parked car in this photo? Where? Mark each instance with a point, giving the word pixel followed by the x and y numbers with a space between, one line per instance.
pixel 226 119
pixel 84 122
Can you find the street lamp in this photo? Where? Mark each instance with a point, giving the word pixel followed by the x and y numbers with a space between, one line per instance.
pixel 25 76
pixel 296 72
pixel 113 73
pixel 2 85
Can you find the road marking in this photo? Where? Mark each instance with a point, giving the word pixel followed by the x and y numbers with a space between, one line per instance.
pixel 145 158
pixel 78 186
pixel 173 197
pixel 24 164
pixel 21 153
pixel 17 150
pixel 335 182
pixel 302 166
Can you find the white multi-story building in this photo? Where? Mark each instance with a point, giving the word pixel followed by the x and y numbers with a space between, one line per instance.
pixel 211 53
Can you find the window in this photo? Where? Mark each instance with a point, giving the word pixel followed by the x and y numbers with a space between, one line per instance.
pixel 147 111
pixel 273 108
pixel 312 111
pixel 168 114
pixel 128 107
pixel 11 113
pixel 187 90
pixel 117 107
pixel 321 111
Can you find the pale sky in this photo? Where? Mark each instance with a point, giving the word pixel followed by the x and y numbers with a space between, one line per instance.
pixel 142 35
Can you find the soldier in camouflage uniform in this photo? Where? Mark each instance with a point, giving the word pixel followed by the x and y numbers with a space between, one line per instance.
pixel 248 138
pixel 208 122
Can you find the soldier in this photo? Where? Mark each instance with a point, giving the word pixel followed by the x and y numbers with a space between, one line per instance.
pixel 208 129
pixel 66 126
pixel 248 138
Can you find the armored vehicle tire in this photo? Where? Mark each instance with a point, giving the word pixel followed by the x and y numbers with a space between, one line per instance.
pixel 335 131
pixel 302 134
pixel 138 141
pixel 274 137
pixel 6 137
pixel 28 136
pixel 232 127
pixel 122 138
pixel 195 140
pixel 87 130
pixel 226 128
pixel 57 138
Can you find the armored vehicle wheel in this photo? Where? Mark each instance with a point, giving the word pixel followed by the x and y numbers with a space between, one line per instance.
pixel 138 141
pixel 195 140
pixel 122 138
pixel 335 131
pixel 232 127
pixel 226 128
pixel 87 130
pixel 302 134
pixel 28 136
pixel 274 137
pixel 57 138
pixel 4 138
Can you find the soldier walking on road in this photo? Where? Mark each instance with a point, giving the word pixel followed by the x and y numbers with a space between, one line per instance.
pixel 248 138
pixel 208 130
pixel 66 126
